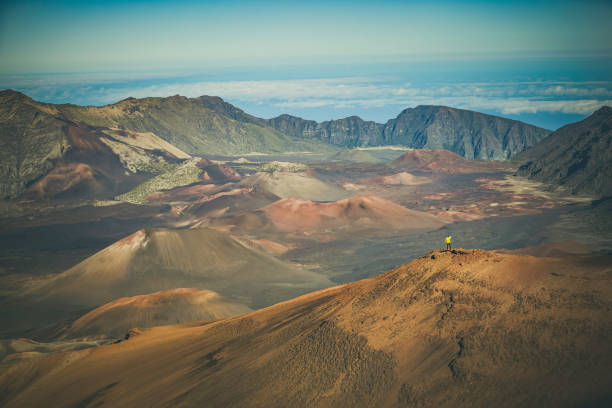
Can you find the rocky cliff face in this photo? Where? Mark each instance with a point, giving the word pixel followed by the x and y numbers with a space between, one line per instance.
pixel 220 106
pixel 296 127
pixel 472 135
pixel 351 132
pixel 32 137
pixel 348 132
pixel 577 156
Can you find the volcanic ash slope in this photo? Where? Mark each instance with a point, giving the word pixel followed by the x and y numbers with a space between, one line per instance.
pixel 461 328
pixel 173 306
pixel 354 156
pixel 285 184
pixel 442 161
pixel 402 178
pixel 363 212
pixel 159 259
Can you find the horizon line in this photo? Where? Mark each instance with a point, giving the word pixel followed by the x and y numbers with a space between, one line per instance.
pixel 284 114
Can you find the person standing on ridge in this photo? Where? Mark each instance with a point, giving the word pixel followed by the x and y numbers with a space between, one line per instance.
pixel 448 243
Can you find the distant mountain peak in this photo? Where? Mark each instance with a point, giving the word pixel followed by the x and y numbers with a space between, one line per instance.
pixel 11 93
pixel 471 134
pixel 604 110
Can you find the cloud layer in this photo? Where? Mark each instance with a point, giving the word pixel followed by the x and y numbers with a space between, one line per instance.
pixel 333 94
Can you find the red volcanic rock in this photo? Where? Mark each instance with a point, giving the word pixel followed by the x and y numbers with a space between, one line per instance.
pixel 66 178
pixel 403 178
pixel 85 138
pixel 366 211
pixel 444 161
pixel 217 172
pixel 433 160
pixel 205 177
pixel 188 193
pixel 200 193
pixel 271 246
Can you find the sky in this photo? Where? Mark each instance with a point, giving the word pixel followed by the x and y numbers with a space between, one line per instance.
pixel 543 62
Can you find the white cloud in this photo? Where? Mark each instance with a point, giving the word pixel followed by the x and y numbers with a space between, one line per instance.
pixel 348 92
pixel 506 106
pixel 560 90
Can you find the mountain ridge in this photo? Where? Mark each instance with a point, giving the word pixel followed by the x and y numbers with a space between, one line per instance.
pixel 577 157
pixel 213 126
pixel 471 134
pixel 37 138
pixel 44 154
pixel 203 125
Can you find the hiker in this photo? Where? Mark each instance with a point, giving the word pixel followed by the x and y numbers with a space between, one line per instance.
pixel 448 243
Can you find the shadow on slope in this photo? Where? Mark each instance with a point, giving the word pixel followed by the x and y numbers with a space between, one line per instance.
pixel 159 259
pixel 460 328
pixel 173 306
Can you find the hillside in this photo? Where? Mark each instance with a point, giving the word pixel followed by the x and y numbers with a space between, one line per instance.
pixel 200 126
pixel 160 259
pixel 286 184
pixel 32 137
pixel 350 218
pixel 351 214
pixel 442 161
pixel 399 179
pixel 470 134
pixel 85 149
pixel 173 306
pixel 461 328
pixel 577 157
pixel 43 154
pixel 354 156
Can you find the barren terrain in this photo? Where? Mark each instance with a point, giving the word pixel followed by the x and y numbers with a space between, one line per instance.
pixel 465 327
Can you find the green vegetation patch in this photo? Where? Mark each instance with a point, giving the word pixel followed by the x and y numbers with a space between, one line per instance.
pixel 155 165
pixel 175 176
pixel 283 166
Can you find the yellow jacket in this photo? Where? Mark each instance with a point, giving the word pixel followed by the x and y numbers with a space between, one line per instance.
pixel 448 239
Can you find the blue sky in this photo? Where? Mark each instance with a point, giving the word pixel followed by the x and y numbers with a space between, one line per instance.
pixel 544 62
